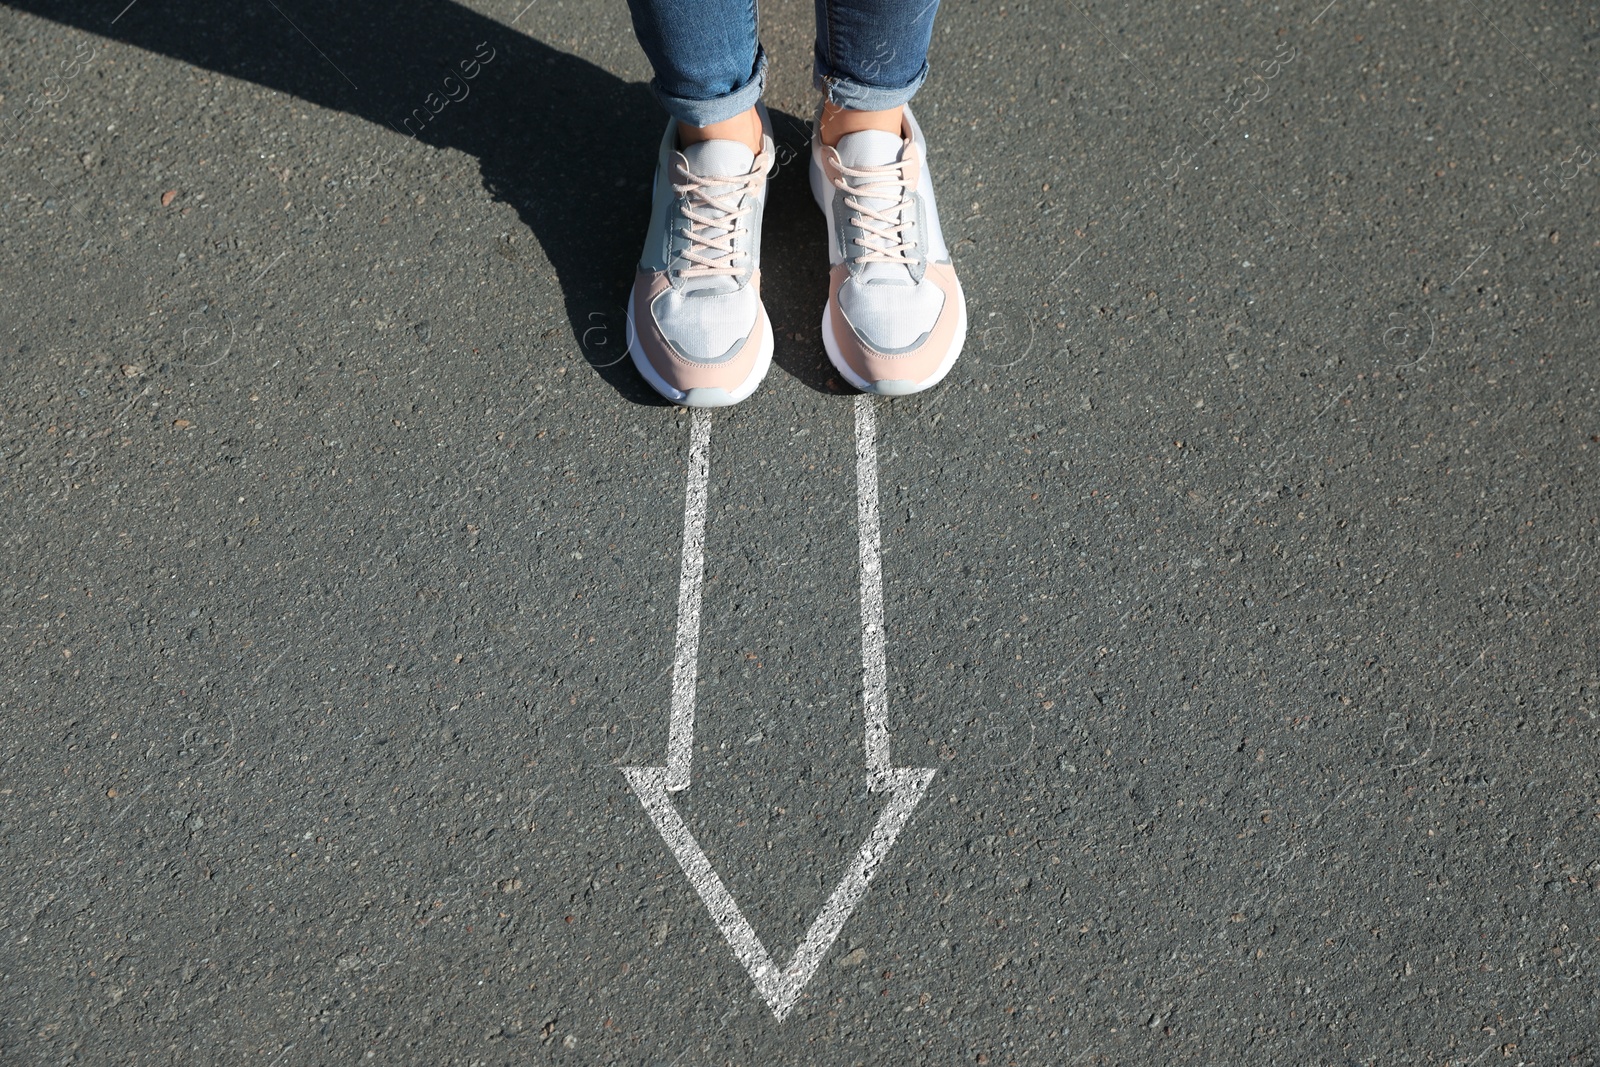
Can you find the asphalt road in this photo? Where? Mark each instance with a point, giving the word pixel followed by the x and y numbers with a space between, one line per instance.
pixel 1240 583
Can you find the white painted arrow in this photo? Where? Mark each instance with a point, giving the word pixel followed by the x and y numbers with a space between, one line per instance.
pixel 780 988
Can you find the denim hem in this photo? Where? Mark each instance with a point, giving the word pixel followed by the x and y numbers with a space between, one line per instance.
pixel 848 93
pixel 721 108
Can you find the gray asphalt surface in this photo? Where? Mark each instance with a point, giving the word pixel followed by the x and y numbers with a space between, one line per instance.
pixel 1240 582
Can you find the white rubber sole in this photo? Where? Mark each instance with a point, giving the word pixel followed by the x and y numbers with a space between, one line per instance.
pixel 895 386
pixel 704 397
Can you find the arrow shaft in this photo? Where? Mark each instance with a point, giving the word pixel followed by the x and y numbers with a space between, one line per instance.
pixel 874 661
pixel 686 651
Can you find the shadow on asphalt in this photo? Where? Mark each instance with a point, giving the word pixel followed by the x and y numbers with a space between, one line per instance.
pixel 567 144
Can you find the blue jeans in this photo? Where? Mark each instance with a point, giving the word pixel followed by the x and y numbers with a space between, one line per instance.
pixel 871 55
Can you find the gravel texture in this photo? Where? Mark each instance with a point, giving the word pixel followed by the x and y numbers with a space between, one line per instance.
pixel 1241 581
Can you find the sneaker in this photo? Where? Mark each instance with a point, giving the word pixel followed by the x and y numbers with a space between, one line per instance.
pixel 696 327
pixel 896 316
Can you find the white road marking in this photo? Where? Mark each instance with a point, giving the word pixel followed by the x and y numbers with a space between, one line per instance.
pixel 780 988
pixel 874 665
pixel 686 655
pixel 905 785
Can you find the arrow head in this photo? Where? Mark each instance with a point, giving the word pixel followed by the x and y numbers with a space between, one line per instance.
pixel 781 988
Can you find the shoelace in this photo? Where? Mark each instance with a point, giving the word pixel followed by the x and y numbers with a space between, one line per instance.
pixel 886 224
pixel 698 228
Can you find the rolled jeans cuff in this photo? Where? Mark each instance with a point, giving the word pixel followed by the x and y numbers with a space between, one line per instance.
pixel 857 96
pixel 721 108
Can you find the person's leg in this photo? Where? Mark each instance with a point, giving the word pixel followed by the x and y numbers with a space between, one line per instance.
pixel 896 317
pixel 745 127
pixel 709 66
pixel 871 58
pixel 836 122
pixel 697 330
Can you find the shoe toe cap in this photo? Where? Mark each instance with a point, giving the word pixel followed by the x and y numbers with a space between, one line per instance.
pixel 707 327
pixel 891 317
pixel 931 332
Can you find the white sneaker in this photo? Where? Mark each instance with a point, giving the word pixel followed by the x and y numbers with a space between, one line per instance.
pixel 696 328
pixel 896 317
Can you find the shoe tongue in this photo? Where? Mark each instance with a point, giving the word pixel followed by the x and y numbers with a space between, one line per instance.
pixel 719 159
pixel 716 159
pixel 875 148
pixel 870 148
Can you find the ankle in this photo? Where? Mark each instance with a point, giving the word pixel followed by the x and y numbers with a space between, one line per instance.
pixel 744 127
pixel 838 121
